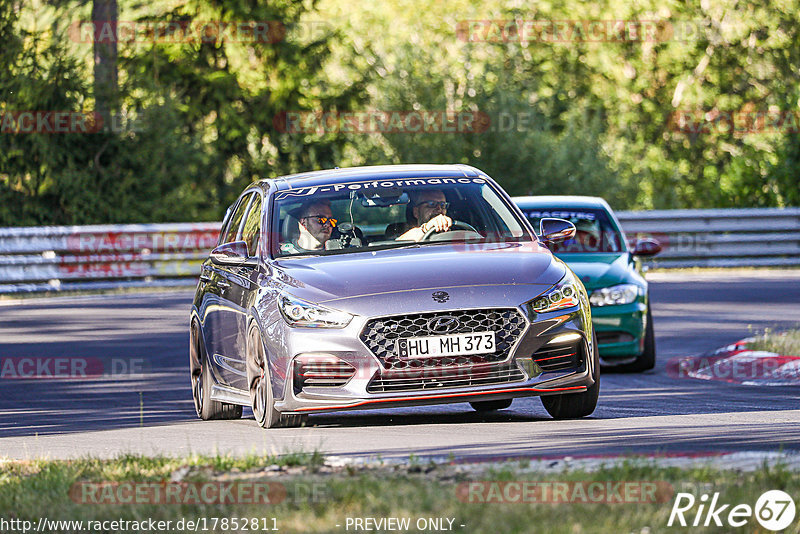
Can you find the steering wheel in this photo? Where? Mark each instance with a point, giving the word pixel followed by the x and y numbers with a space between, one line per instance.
pixel 456 224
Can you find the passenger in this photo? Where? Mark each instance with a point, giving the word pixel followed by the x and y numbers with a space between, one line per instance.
pixel 315 222
pixel 429 209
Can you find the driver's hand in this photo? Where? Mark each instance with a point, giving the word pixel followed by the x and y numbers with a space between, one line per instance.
pixel 440 223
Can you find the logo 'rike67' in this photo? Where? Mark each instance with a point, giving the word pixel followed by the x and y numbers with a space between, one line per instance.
pixel 774 510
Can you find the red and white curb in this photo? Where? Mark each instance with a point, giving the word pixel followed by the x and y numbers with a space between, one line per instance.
pixel 738 364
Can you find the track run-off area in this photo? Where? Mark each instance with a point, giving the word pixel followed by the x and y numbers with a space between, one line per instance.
pixel 146 406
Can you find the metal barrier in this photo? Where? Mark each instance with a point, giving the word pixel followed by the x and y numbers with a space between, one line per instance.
pixel 719 237
pixel 59 258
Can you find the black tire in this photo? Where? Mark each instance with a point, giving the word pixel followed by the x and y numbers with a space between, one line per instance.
pixel 262 400
pixel 576 405
pixel 204 406
pixel 490 406
pixel 647 359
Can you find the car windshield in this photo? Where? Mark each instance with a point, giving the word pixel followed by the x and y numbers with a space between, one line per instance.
pixel 357 216
pixel 594 229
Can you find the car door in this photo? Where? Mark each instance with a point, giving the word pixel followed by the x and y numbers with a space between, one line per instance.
pixel 209 306
pixel 221 316
pixel 240 282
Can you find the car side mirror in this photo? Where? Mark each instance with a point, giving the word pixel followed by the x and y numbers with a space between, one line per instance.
pixel 555 230
pixel 234 253
pixel 646 247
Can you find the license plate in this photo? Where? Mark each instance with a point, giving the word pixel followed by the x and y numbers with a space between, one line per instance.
pixel 449 345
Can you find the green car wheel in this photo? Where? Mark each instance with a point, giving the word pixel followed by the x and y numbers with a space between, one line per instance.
pixel 647 359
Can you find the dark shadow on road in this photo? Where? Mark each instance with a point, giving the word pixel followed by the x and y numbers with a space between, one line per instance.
pixel 398 418
pixel 587 441
pixel 149 386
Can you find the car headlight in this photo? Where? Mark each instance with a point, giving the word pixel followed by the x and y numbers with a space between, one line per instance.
pixel 620 294
pixel 565 294
pixel 298 312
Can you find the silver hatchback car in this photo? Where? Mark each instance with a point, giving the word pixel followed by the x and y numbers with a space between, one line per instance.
pixel 387 286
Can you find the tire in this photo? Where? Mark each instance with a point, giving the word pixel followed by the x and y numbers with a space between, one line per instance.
pixel 576 405
pixel 262 400
pixel 204 406
pixel 490 406
pixel 647 359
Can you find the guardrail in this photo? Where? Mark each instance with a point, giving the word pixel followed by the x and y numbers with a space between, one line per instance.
pixel 719 237
pixel 59 258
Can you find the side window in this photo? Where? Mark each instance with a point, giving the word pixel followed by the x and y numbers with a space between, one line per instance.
pixel 226 221
pixel 252 226
pixel 236 220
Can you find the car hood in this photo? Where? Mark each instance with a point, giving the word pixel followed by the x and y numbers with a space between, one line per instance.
pixel 427 267
pixel 599 270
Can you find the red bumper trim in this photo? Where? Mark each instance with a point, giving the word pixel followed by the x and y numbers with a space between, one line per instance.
pixel 554 357
pixel 424 397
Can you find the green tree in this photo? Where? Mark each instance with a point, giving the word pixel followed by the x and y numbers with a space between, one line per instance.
pixel 199 116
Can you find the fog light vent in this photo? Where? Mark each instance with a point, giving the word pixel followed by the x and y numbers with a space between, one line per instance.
pixel 559 356
pixel 321 371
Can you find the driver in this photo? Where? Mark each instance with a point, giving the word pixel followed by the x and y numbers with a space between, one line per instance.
pixel 315 222
pixel 430 213
pixel 587 236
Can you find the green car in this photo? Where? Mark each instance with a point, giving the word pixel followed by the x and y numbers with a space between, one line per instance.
pixel 611 272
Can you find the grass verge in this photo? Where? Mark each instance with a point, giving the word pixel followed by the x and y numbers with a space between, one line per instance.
pixel 785 343
pixel 317 497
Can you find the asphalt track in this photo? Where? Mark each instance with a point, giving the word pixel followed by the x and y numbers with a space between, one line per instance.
pixel 152 413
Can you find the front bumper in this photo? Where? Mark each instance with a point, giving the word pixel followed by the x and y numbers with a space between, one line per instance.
pixel 620 331
pixel 347 346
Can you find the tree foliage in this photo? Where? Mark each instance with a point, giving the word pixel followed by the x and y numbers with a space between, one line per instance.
pixel 202 118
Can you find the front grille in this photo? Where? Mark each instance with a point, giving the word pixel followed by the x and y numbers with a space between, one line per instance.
pixel 427 379
pixel 613 337
pixel 380 336
pixel 560 356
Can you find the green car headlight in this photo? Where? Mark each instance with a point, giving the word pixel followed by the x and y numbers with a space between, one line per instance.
pixel 565 294
pixel 614 295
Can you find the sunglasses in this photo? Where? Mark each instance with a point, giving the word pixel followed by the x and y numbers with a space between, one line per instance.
pixel 322 220
pixel 434 204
